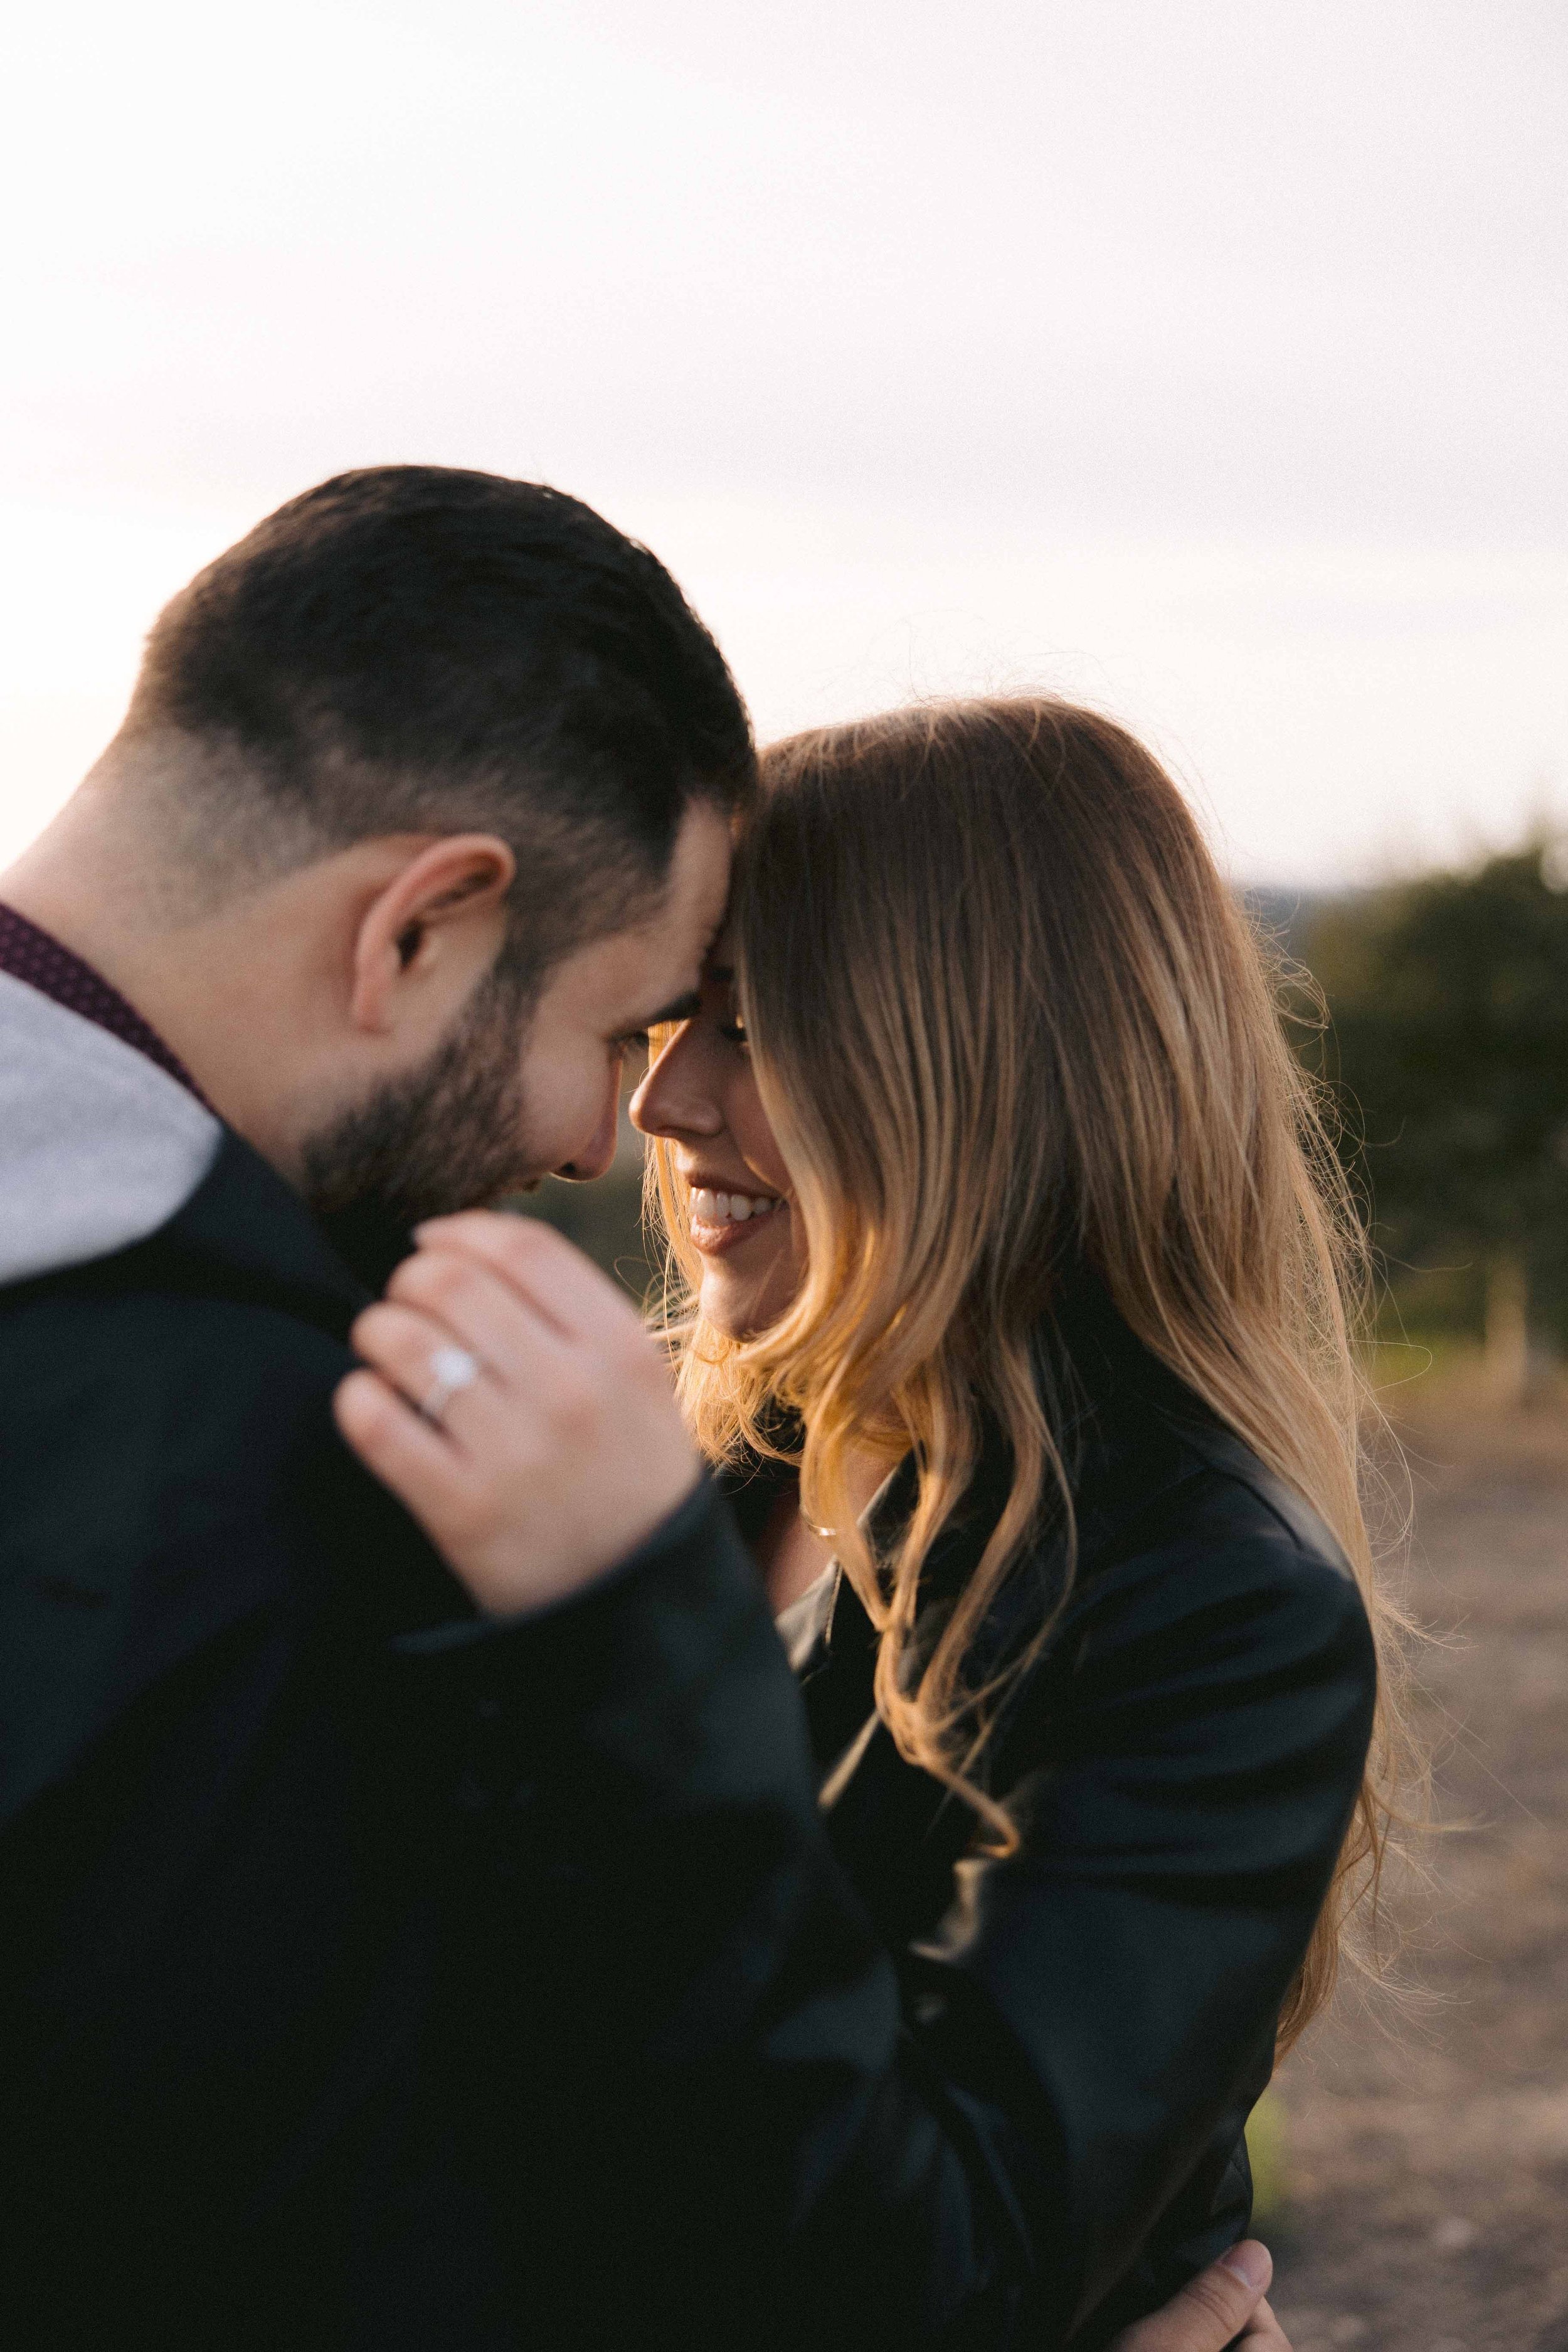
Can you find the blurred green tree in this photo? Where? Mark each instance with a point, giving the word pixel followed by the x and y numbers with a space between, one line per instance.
pixel 1448 1042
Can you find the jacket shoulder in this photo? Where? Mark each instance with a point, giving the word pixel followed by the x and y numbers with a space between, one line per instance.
pixel 173 1476
pixel 1192 1501
pixel 1211 1613
pixel 161 1406
pixel 1233 1483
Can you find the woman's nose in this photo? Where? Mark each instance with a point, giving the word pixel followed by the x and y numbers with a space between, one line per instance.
pixel 673 1100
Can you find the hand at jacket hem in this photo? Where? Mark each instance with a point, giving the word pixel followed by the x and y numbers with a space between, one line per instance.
pixel 1225 2304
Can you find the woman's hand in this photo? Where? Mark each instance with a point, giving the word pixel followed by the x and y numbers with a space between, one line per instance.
pixel 516 1406
pixel 1223 2305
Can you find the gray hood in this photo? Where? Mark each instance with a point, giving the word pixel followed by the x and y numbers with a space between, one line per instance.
pixel 99 1147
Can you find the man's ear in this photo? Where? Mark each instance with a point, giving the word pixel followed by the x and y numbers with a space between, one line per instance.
pixel 433 929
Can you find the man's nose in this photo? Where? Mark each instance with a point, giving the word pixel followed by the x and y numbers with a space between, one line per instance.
pixel 595 1157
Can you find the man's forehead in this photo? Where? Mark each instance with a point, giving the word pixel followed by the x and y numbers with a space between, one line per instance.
pixel 656 962
pixel 694 908
pixel 670 972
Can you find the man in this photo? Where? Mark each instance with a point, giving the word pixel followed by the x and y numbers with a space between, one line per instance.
pixel 421 811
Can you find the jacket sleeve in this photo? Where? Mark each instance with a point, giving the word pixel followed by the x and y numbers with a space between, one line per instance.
pixel 804 2136
pixel 219 1880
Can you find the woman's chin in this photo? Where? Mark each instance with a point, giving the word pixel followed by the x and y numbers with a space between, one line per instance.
pixel 731 1304
pixel 748 1279
pixel 738 1302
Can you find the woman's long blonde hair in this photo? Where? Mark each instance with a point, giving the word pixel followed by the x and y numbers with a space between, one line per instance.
pixel 1005 1015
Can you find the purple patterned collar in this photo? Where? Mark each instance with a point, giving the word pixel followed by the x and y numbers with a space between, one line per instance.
pixel 41 961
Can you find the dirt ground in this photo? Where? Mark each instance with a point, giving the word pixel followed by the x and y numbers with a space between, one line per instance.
pixel 1424 2154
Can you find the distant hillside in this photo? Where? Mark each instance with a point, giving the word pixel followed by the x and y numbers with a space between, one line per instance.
pixel 1286 915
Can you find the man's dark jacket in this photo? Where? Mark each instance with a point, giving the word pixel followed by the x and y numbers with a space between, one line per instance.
pixel 371 1977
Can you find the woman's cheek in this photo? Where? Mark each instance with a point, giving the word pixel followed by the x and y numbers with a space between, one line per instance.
pixel 748 1123
pixel 741 1299
pixel 786 1268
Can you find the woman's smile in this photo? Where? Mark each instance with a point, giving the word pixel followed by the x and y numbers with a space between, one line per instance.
pixel 724 1218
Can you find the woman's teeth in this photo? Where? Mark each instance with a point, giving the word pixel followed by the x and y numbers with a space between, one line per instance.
pixel 728 1208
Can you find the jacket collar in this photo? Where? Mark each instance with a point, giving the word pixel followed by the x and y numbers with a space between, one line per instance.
pixel 32 954
pixel 246 1232
pixel 99 1146
pixel 106 1161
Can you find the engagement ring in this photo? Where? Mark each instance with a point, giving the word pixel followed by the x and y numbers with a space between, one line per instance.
pixel 451 1370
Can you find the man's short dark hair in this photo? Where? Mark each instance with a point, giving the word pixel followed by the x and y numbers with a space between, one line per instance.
pixel 415 648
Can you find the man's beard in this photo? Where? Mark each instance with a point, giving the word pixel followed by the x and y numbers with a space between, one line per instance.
pixel 444 1136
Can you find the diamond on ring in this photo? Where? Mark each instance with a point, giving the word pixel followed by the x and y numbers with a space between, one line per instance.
pixel 452 1370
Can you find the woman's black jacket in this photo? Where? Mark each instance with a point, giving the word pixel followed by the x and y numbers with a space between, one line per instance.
pixel 373 1976
pixel 966 2101
pixel 1180 1765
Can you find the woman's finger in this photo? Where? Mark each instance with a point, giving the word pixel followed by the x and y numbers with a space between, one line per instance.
pixel 544 1268
pixel 416 1460
pixel 488 1315
pixel 453 1384
pixel 563 1450
pixel 419 1357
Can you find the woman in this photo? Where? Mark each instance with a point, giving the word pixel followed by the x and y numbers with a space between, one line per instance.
pixel 1015 1314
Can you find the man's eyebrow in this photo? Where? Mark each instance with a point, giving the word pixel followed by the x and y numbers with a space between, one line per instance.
pixel 682 1008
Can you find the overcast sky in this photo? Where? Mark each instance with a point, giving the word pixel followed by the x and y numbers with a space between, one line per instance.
pixel 1203 358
